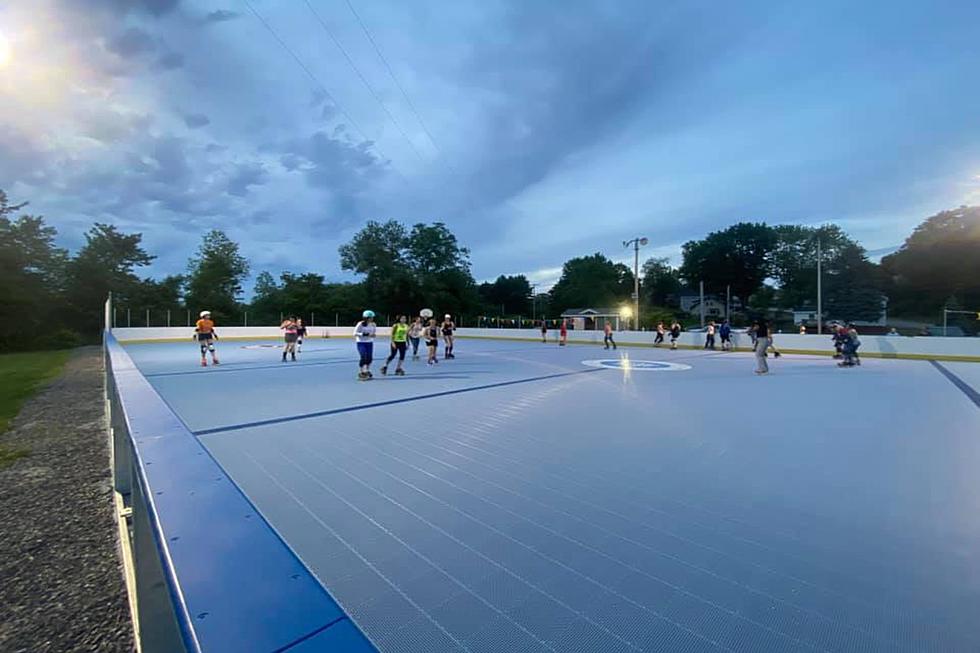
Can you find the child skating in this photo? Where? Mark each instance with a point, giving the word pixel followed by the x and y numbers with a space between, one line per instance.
pixel 205 335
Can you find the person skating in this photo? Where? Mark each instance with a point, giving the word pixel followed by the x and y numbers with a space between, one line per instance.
pixel 608 335
pixel 839 337
pixel 300 334
pixel 849 347
pixel 563 333
pixel 432 341
pixel 675 333
pixel 205 335
pixel 364 334
pixel 415 335
pixel 659 340
pixel 448 327
pixel 709 340
pixel 399 345
pixel 725 331
pixel 544 331
pixel 761 330
pixel 290 336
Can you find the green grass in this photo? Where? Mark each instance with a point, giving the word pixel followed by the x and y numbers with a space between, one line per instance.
pixel 22 375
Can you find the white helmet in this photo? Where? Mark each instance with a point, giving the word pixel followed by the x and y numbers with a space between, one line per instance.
pixel 205 313
pixel 426 313
pixel 448 316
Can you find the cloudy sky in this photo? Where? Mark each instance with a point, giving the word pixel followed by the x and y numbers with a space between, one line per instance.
pixel 537 130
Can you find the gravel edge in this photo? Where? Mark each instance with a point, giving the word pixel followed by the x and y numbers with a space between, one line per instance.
pixel 61 580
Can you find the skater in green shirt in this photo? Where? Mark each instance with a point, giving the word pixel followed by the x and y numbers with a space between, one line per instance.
pixel 399 345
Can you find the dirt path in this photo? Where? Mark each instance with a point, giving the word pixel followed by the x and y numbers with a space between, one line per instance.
pixel 61 586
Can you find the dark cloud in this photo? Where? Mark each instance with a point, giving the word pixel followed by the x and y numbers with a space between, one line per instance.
pixel 245 176
pixel 196 120
pixel 170 61
pixel 221 16
pixel 133 42
pixel 151 7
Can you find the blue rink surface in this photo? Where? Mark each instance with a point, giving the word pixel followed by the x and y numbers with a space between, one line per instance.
pixel 516 499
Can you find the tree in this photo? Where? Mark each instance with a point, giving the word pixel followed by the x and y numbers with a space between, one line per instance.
pixel 31 274
pixel 660 282
pixel 794 260
pixel 591 281
pixel 739 256
pixel 938 260
pixel 104 264
pixel 215 275
pixel 851 287
pixel 512 295
pixel 407 270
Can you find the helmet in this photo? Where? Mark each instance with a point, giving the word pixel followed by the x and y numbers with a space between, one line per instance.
pixel 426 313
pixel 448 316
pixel 367 314
pixel 205 313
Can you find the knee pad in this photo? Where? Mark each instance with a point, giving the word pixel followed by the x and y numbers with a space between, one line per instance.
pixel 211 348
pixel 204 349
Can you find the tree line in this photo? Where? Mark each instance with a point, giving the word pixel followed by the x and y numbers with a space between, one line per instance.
pixel 52 298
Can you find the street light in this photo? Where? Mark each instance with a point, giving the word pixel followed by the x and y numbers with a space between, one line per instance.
pixel 637 243
pixel 626 313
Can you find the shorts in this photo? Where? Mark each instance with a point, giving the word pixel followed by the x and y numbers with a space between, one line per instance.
pixel 291 338
pixel 726 338
pixel 447 332
pixel 432 343
pixel 205 337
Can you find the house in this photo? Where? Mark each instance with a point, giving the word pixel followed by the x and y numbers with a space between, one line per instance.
pixel 591 318
pixel 714 306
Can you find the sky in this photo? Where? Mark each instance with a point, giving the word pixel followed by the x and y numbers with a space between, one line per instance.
pixel 537 131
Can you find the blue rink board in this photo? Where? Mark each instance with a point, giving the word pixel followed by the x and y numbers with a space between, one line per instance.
pixel 515 499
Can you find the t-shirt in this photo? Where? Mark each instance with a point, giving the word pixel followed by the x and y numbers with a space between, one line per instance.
pixel 711 330
pixel 365 332
pixel 399 332
pixel 205 325
pixel 415 331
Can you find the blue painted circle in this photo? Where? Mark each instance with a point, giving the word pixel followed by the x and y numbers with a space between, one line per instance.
pixel 629 365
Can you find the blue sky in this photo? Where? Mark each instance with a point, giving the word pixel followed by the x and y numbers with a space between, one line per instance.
pixel 538 131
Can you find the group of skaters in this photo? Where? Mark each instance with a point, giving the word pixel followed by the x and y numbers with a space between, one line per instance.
pixel 404 334
pixel 424 326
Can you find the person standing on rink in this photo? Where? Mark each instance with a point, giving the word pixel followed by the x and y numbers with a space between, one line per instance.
pixel 364 334
pixel 725 331
pixel 544 330
pixel 448 327
pixel 659 340
pixel 675 333
pixel 563 333
pixel 399 345
pixel 761 345
pixel 709 341
pixel 415 335
pixel 608 335
pixel 205 334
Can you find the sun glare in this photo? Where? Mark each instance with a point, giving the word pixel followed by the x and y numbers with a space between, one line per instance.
pixel 4 50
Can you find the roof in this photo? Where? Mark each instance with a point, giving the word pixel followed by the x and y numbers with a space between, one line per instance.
pixel 590 312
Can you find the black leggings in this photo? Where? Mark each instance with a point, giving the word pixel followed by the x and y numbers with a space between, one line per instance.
pixel 399 349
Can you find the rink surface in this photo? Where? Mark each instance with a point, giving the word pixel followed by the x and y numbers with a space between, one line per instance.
pixel 516 499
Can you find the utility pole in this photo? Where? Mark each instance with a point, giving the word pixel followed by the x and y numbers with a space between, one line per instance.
pixel 819 288
pixel 701 303
pixel 533 298
pixel 728 303
pixel 637 243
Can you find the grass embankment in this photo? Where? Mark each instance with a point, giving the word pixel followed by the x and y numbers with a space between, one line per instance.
pixel 22 375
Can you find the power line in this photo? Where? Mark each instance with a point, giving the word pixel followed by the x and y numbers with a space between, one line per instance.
pixel 313 77
pixel 363 79
pixel 394 78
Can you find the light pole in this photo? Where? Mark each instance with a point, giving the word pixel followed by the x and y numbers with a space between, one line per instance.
pixel 637 243
pixel 819 288
pixel 533 298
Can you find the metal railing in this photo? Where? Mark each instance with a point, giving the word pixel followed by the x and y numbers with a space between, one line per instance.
pixel 205 572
